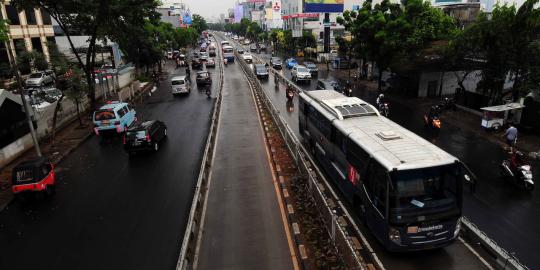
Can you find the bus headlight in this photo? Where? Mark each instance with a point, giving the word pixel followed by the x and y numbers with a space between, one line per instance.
pixel 458 228
pixel 393 234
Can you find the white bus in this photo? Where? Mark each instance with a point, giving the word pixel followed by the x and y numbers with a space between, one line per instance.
pixel 228 53
pixel 407 190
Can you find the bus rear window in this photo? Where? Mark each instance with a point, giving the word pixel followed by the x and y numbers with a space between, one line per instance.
pixel 26 175
pixel 104 115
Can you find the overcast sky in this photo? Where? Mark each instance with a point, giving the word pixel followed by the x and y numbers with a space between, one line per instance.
pixel 206 8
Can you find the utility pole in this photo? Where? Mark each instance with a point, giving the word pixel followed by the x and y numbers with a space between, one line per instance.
pixel 25 104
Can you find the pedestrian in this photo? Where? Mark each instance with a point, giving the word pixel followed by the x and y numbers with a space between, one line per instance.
pixel 511 135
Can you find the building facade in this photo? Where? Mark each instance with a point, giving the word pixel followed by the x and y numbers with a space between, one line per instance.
pixel 29 30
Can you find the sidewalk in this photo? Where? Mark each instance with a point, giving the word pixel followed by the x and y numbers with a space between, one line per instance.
pixel 243 226
pixel 463 118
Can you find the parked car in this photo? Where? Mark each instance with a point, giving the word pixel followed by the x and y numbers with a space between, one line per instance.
pixel 276 62
pixel 290 63
pixel 180 85
pixel 247 57
pixel 113 117
pixel 211 62
pixel 312 68
pixel 40 78
pixel 300 73
pixel 260 71
pixel 145 136
pixel 203 77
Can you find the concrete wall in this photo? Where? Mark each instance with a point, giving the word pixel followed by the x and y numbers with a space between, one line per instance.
pixel 450 82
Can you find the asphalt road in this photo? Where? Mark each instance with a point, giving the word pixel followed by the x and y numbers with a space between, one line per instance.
pixel 112 212
pixel 504 211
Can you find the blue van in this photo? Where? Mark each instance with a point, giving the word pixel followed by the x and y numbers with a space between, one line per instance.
pixel 113 117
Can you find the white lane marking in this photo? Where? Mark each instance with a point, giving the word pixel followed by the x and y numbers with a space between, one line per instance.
pixel 476 254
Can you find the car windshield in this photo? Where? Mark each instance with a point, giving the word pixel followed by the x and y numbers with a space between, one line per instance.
pixel 426 187
pixel 104 115
pixel 139 134
pixel 202 75
pixel 302 69
pixel 35 76
pixel 177 82
pixel 309 65
pixel 260 68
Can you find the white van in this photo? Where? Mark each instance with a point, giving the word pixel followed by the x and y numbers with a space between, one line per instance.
pixel 180 85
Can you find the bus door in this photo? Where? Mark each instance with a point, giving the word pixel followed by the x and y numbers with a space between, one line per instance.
pixel 376 186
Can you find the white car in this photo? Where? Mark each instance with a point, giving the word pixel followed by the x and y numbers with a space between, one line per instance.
pixel 300 73
pixel 40 78
pixel 180 85
pixel 247 41
pixel 247 57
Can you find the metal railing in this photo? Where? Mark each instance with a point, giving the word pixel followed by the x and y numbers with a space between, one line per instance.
pixel 193 228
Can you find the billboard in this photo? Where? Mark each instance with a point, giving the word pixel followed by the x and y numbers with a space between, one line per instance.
pixel 238 13
pixel 186 18
pixel 276 9
pixel 323 5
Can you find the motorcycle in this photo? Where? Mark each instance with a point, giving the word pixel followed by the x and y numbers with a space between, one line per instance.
pixel 384 109
pixel 518 169
pixel 447 103
pixel 432 122
pixel 348 92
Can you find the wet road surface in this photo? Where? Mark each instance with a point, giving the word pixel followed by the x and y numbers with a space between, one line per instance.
pixel 112 212
pixel 508 214
pixel 243 228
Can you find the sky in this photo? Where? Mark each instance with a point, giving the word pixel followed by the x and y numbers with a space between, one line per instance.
pixel 206 8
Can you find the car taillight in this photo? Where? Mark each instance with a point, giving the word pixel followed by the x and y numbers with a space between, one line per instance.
pixel 148 138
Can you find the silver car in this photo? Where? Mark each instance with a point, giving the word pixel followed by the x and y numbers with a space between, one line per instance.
pixel 180 85
pixel 40 78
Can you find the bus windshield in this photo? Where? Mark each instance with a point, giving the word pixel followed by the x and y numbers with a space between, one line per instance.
pixel 426 187
pixel 227 50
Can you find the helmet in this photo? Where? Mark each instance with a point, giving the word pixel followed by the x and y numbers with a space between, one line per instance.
pixel 381 96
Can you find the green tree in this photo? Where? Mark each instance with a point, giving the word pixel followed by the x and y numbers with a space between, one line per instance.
pixel 389 34
pixel 97 19
pixel 199 23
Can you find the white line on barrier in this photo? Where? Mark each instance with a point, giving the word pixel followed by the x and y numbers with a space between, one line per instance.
pixel 476 253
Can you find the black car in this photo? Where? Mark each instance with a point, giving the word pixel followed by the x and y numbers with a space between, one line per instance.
pixel 253 48
pixel 329 85
pixel 145 136
pixel 276 62
pixel 240 51
pixel 262 48
pixel 260 71
pixel 196 63
pixel 203 77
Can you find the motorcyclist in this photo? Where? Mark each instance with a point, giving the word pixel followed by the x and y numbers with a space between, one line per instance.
pixel 225 61
pixel 188 73
pixel 380 100
pixel 433 113
pixel 289 92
